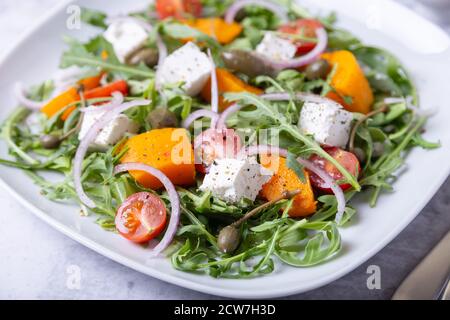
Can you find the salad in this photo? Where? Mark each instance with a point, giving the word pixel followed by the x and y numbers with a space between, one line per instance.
pixel 229 136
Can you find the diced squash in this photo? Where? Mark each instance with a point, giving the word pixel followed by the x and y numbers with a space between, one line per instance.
pixel 60 101
pixel 227 82
pixel 216 28
pixel 285 179
pixel 349 81
pixel 69 96
pixel 168 150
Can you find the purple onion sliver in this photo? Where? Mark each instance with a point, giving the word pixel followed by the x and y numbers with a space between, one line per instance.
pixel 21 96
pixel 221 123
pixel 199 114
pixel 214 88
pixel 117 99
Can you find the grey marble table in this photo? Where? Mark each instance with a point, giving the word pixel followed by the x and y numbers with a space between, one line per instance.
pixel 35 260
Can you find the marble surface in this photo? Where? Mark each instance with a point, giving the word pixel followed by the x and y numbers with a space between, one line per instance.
pixel 37 262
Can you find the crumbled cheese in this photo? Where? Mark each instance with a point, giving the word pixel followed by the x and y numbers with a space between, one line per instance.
pixel 233 180
pixel 188 65
pixel 276 48
pixel 328 122
pixel 111 133
pixel 126 36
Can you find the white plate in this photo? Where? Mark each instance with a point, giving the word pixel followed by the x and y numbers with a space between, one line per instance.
pixel 422 47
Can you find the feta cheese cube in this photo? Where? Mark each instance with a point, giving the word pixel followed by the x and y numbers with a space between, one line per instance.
pixel 329 123
pixel 111 133
pixel 126 36
pixel 187 64
pixel 276 48
pixel 232 180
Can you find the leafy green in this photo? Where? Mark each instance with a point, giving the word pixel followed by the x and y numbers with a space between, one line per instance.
pixel 284 125
pixel 292 163
pixel 93 17
pixel 78 54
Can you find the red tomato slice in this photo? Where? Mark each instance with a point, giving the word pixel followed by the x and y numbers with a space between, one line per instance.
pixel 178 8
pixel 347 159
pixel 305 27
pixel 214 144
pixel 141 217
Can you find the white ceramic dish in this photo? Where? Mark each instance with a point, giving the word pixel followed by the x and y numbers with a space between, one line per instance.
pixel 422 47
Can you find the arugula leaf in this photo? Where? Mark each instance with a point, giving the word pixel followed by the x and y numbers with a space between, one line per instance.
pixel 94 17
pixel 78 54
pixel 278 119
pixel 316 251
pixel 292 163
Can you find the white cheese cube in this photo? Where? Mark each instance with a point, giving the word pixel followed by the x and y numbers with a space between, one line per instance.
pixel 126 36
pixel 187 64
pixel 111 133
pixel 276 48
pixel 232 180
pixel 328 122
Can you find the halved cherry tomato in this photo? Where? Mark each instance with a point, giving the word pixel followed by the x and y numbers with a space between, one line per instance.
pixel 304 27
pixel 178 8
pixel 141 217
pixel 347 159
pixel 214 144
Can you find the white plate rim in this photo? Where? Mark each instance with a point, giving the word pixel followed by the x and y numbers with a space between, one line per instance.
pixel 173 279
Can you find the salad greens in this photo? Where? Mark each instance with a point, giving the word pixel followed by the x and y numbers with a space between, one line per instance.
pixel 381 142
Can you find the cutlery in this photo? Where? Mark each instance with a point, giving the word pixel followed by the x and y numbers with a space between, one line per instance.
pixel 427 280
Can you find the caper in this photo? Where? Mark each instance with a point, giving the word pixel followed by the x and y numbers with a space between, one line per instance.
pixel 162 118
pixel 228 239
pixel 318 70
pixel 147 56
pixel 247 62
pixel 50 141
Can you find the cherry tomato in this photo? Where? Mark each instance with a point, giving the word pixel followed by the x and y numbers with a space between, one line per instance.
pixel 141 217
pixel 214 144
pixel 178 8
pixel 305 27
pixel 347 159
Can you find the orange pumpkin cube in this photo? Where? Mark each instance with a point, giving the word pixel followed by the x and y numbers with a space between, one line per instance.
pixel 168 150
pixel 285 179
pixel 349 81
pixel 227 82
pixel 216 28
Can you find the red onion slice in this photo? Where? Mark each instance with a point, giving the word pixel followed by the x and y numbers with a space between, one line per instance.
pixel 117 99
pixel 329 181
pixel 88 138
pixel 21 95
pixel 221 123
pixel 214 88
pixel 238 5
pixel 214 144
pixel 173 197
pixel 199 114
pixel 313 55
